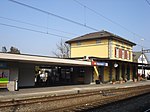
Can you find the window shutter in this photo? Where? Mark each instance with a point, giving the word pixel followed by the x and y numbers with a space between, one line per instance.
pixel 120 53
pixel 115 52
pixel 125 54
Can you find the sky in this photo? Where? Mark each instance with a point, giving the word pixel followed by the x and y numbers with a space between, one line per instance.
pixel 34 32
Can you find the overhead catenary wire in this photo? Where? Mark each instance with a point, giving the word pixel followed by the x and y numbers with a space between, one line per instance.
pixel 84 25
pixel 37 31
pixel 49 13
pixel 148 2
pixel 39 26
pixel 141 46
pixel 36 26
pixel 23 28
pixel 85 16
pixel 108 19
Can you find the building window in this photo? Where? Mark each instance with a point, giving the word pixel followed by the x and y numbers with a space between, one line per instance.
pixel 98 41
pixel 78 43
pixel 128 55
pixel 122 54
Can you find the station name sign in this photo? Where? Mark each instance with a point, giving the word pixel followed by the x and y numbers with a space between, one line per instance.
pixel 99 63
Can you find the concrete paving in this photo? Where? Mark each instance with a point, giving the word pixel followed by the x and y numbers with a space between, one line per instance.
pixel 63 90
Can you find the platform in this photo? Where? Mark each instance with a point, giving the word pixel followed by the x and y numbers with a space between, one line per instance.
pixel 63 90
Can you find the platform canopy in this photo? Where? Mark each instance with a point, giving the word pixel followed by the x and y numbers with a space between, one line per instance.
pixel 24 58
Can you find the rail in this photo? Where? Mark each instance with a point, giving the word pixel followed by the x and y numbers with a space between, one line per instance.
pixel 75 102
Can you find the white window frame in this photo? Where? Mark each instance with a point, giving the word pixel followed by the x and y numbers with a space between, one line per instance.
pixel 117 52
pixel 123 53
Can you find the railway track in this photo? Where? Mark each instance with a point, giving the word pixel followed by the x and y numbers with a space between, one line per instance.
pixel 75 102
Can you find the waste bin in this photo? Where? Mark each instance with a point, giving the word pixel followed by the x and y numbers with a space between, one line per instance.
pixel 97 81
pixel 16 85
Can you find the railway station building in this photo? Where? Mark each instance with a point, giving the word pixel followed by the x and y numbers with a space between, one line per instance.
pixel 111 55
pixel 21 68
pixel 95 57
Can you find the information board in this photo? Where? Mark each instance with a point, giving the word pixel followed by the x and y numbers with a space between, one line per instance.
pixel 4 75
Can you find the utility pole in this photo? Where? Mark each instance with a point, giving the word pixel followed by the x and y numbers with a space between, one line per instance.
pixel 143 75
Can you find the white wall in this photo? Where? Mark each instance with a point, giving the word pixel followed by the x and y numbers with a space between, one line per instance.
pixel 145 61
pixel 13 74
pixel 146 72
pixel 88 75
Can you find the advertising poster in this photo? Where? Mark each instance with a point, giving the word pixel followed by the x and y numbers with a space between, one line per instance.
pixel 4 76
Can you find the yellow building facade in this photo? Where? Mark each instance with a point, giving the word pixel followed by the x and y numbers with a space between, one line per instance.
pixel 111 53
pixel 90 48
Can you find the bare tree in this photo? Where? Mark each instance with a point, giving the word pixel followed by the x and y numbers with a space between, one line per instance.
pixel 63 50
pixel 14 50
pixel 4 49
